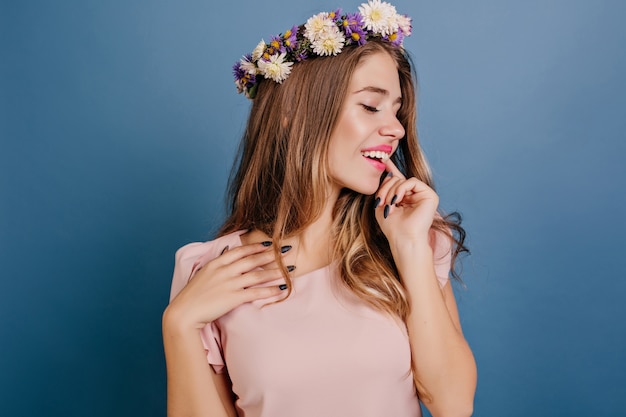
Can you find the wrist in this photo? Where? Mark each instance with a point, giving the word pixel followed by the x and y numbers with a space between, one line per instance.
pixel 417 245
pixel 413 258
pixel 175 325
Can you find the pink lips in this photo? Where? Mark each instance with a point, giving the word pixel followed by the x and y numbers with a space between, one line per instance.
pixel 383 148
pixel 379 165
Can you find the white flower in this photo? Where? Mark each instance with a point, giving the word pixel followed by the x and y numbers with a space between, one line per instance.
pixel 393 23
pixel 276 68
pixel 316 25
pixel 329 42
pixel 404 22
pixel 248 66
pixel 239 85
pixel 379 17
pixel 258 51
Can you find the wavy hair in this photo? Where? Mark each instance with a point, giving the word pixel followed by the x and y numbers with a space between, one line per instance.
pixel 280 179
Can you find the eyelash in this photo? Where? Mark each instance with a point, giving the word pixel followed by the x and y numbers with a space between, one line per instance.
pixel 370 108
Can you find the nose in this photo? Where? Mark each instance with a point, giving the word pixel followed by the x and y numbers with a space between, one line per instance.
pixel 392 128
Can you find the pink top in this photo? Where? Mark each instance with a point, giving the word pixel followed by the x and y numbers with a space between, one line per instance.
pixel 321 352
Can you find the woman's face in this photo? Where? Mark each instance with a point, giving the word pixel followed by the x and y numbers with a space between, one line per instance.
pixel 367 131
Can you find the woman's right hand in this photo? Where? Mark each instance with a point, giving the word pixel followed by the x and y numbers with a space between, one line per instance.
pixel 231 279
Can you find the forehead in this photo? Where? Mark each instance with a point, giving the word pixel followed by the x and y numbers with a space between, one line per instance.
pixel 376 70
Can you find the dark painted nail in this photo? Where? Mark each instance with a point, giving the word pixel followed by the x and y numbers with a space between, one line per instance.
pixel 285 248
pixel 376 202
pixel 282 286
pixel 224 250
pixel 393 200
pixel 290 268
pixel 266 243
pixel 389 174
pixel 386 211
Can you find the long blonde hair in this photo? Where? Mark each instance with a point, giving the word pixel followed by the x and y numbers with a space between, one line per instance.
pixel 280 180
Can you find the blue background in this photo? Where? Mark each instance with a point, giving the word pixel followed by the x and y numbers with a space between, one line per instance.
pixel 118 124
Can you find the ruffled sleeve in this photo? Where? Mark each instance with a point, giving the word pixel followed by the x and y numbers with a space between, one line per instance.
pixel 189 259
pixel 442 254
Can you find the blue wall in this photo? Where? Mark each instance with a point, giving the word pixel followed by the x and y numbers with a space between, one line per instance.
pixel 118 121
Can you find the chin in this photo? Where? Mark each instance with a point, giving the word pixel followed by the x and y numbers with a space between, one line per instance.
pixel 366 186
pixel 365 189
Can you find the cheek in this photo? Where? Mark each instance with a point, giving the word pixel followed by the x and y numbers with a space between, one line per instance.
pixel 347 138
pixel 338 144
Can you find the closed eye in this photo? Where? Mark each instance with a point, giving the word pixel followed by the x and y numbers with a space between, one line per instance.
pixel 370 108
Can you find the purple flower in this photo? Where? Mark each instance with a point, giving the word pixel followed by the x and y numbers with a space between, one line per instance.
pixel 336 15
pixel 353 27
pixel 243 79
pixel 290 41
pixel 275 47
pixel 238 72
pixel 395 38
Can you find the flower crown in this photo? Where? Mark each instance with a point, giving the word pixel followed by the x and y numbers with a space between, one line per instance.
pixel 324 34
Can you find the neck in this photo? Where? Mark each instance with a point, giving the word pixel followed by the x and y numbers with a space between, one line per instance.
pixel 312 248
pixel 320 230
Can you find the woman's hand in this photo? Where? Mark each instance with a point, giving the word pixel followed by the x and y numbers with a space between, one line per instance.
pixel 406 208
pixel 443 364
pixel 231 279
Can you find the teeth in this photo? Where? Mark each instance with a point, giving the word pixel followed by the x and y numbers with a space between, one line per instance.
pixel 376 154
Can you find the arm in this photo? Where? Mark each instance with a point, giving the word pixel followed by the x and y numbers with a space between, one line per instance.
pixel 193 388
pixel 443 363
pixel 231 279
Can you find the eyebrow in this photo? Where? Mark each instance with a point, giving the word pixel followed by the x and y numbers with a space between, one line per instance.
pixel 377 90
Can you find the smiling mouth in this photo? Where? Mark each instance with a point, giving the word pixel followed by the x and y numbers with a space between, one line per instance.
pixel 378 155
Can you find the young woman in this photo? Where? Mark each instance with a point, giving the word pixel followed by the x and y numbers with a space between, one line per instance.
pixel 326 292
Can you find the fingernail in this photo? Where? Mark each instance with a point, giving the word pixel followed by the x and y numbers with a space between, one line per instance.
pixel 266 243
pixel 290 268
pixel 282 287
pixel 389 174
pixel 393 200
pixel 386 211
pixel 285 248
pixel 224 250
pixel 376 202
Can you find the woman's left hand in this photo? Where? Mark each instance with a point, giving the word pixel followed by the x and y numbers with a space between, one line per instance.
pixel 406 208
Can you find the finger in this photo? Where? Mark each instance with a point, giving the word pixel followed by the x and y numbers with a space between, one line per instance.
pixel 409 192
pixel 262 260
pixel 382 194
pixel 393 169
pixel 273 264
pixel 231 255
pixel 398 191
pixel 258 277
pixel 259 293
pixel 265 260
pixel 396 195
pixel 394 176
